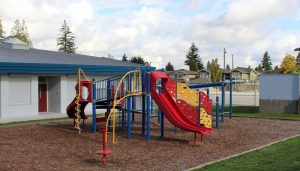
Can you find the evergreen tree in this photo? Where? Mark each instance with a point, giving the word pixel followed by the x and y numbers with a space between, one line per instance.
pixel 66 39
pixel 276 68
pixel 138 60
pixel 2 32
pixel 249 67
pixel 215 71
pixel 124 58
pixel 227 66
pixel 169 67
pixel 20 31
pixel 259 68
pixel 193 60
pixel 266 63
pixel 208 65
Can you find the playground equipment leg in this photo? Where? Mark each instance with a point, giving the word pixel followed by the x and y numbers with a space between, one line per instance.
pixel 143 103
pixel 94 107
pixel 133 109
pixel 230 99
pixel 202 137
pixel 123 118
pixel 148 107
pixel 104 152
pixel 128 117
pixel 223 99
pixel 195 138
pixel 162 122
pixel 151 106
pixel 217 111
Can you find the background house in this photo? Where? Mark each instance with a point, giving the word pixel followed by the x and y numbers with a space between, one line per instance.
pixel 182 75
pixel 241 73
pixel 34 81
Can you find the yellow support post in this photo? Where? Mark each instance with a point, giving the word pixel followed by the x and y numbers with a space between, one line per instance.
pixel 112 115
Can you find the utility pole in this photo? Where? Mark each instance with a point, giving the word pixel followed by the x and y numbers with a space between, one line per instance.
pixel 232 61
pixel 224 62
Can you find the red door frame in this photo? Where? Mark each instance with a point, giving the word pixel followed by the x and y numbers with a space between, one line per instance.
pixel 43 97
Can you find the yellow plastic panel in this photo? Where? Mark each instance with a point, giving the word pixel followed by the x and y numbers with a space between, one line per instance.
pixel 189 95
pixel 205 118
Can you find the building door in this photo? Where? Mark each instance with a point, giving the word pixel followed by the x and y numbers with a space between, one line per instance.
pixel 42 97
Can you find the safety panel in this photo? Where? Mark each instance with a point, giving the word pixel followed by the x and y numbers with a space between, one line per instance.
pixel 206 103
pixel 205 118
pixel 189 111
pixel 171 88
pixel 189 95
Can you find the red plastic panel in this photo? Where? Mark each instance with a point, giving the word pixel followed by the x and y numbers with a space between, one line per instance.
pixel 171 87
pixel 89 85
pixel 206 103
pixel 189 111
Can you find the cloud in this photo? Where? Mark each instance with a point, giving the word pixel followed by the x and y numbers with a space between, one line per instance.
pixel 163 31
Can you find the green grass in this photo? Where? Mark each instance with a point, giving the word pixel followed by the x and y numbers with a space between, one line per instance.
pixel 282 156
pixel 251 111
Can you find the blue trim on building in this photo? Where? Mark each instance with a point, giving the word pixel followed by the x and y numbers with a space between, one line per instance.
pixel 7 67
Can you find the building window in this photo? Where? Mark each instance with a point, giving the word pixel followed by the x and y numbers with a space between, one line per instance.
pixel 19 90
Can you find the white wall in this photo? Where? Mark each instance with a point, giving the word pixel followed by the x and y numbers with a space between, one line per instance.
pixel 19 95
pixel 54 94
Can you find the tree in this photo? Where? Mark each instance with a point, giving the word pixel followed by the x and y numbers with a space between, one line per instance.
pixel 66 39
pixel 138 60
pixel 208 65
pixel 266 63
pixel 227 66
pixel 110 56
pixel 169 67
pixel 124 58
pixel 249 67
pixel 215 71
pixel 20 32
pixel 193 60
pixel 259 68
pixel 288 65
pixel 2 32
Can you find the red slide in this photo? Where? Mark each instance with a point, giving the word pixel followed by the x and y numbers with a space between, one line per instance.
pixel 169 107
pixel 71 109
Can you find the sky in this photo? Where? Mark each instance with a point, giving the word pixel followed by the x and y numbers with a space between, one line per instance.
pixel 162 31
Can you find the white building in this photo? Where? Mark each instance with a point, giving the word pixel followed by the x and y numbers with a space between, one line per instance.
pixel 34 81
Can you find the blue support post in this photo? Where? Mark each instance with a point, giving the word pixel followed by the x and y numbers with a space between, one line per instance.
pixel 223 99
pixel 151 106
pixel 94 106
pixel 199 111
pixel 207 92
pixel 162 122
pixel 128 108
pixel 108 97
pixel 148 107
pixel 133 109
pixel 123 118
pixel 230 99
pixel 217 111
pixel 143 101
pixel 158 110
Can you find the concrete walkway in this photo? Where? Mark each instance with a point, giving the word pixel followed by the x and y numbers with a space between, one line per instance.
pixel 41 116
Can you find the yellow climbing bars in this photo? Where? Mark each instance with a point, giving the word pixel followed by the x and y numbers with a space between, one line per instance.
pixel 137 91
pixel 189 95
pixel 77 102
pixel 205 118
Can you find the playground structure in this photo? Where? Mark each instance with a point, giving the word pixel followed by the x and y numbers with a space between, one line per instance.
pixel 184 107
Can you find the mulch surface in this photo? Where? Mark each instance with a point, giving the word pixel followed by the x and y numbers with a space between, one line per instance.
pixel 57 146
